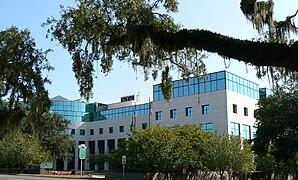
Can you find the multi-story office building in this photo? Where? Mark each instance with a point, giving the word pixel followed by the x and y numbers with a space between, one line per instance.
pixel 221 103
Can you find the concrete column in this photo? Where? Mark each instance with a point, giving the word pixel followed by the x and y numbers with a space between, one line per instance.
pixel 65 161
pixel 106 165
pixel 76 156
pixel 87 164
pixel 96 153
pixel 116 143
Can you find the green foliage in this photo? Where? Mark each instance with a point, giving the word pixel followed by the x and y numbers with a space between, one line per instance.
pixel 20 150
pixel 52 132
pixel 267 164
pixel 138 33
pixel 161 149
pixel 21 78
pixel 27 146
pixel 103 30
pixel 277 128
pixel 230 154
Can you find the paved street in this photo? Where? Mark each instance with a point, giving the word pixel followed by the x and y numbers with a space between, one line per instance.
pixel 15 177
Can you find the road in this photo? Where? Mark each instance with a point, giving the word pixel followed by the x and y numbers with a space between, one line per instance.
pixel 15 177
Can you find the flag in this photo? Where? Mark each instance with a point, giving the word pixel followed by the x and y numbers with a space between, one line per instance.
pixel 151 112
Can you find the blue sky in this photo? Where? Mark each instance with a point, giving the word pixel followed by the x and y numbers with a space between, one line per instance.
pixel 221 16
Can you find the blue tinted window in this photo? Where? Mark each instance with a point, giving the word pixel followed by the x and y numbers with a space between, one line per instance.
pixel 235 129
pixel 180 91
pixel 220 84
pixel 196 89
pixel 207 127
pixel 213 86
pixel 173 113
pixel 185 91
pixel 191 89
pixel 176 84
pixel 202 88
pixel 220 75
pixel 158 115
pixel 208 86
pixel 188 111
pixel 246 131
pixel 192 81
pixel 206 109
pixel 213 76
pixel 175 93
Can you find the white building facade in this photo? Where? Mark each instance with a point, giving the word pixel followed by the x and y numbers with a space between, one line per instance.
pixel 220 102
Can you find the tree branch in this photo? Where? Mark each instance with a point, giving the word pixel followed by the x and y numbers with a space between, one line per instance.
pixel 255 53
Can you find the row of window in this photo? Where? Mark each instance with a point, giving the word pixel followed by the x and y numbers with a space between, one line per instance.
pixel 82 132
pixel 245 110
pixel 122 112
pixel 210 83
pixel 246 130
pixel 188 112
pixel 68 106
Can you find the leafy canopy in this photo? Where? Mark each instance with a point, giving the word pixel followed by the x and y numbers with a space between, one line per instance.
pixel 277 125
pixel 164 149
pixel 142 33
pixel 21 79
pixel 104 30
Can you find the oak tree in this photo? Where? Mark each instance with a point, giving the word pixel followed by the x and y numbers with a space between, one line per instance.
pixel 140 33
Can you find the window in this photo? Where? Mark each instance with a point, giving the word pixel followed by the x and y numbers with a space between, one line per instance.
pixel 121 128
pixel 158 115
pixel 111 130
pixel 205 109
pixel 82 132
pixel 234 108
pixel 100 130
pixel 91 131
pixel 245 131
pixel 72 131
pixel 254 132
pixel 245 111
pixel 235 130
pixel 188 111
pixel 207 127
pixel 144 125
pixel 173 113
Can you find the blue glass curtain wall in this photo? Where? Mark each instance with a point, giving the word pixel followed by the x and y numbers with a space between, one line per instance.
pixel 123 112
pixel 70 110
pixel 211 82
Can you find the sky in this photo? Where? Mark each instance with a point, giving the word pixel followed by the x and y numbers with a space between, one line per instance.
pixel 220 16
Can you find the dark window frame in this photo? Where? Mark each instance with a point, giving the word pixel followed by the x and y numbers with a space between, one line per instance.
pixel 82 132
pixel 245 111
pixel 121 128
pixel 111 130
pixel 206 109
pixel 91 132
pixel 235 108
pixel 188 111
pixel 173 113
pixel 100 131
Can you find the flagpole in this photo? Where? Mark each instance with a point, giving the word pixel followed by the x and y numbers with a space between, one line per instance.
pixel 135 115
pixel 149 112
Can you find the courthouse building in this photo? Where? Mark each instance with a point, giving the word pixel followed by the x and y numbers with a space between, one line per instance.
pixel 220 102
